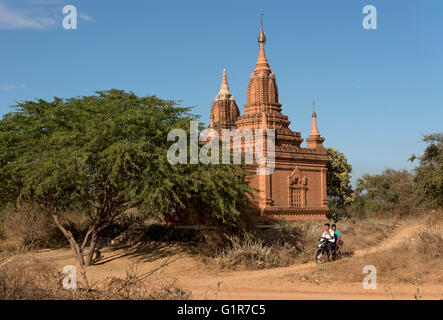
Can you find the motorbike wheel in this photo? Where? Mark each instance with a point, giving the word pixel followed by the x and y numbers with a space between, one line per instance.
pixel 321 256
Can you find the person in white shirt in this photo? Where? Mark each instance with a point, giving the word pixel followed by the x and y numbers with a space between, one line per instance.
pixel 328 233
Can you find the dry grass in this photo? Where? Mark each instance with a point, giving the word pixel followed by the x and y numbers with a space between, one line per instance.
pixel 30 279
pixel 22 278
pixel 136 287
pixel 26 228
pixel 416 261
pixel 433 219
pixel 280 246
pixel 360 234
pixel 252 254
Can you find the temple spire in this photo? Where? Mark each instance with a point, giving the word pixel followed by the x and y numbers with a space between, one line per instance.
pixel 261 36
pixel 314 129
pixel 315 141
pixel 224 88
pixel 224 110
pixel 262 62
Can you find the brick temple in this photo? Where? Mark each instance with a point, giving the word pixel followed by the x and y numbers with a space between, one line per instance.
pixel 297 188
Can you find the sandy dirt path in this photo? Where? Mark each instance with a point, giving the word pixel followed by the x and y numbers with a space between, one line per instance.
pixel 277 283
pixel 206 282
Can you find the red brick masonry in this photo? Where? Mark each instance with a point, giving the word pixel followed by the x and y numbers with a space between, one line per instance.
pixel 296 190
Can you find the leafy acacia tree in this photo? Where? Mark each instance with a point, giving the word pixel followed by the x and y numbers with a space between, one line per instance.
pixel 428 177
pixel 338 179
pixel 107 153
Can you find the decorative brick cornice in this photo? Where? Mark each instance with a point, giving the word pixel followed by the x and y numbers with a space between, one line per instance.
pixel 295 213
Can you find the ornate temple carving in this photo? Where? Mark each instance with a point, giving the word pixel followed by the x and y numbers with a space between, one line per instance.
pixel 298 183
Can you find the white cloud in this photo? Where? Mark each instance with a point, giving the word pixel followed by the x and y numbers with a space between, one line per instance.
pixel 14 19
pixel 45 1
pixel 12 87
pixel 41 14
pixel 86 17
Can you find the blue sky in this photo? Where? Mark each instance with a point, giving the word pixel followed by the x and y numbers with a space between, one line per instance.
pixel 377 91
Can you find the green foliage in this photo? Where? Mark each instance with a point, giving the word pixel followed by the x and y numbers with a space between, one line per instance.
pixel 390 190
pixel 95 152
pixel 428 177
pixel 399 191
pixel 205 193
pixel 338 178
pixel 106 153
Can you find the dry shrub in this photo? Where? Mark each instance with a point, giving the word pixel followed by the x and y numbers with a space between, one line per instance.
pixel 302 238
pixel 429 244
pixel 433 219
pixel 252 253
pixel 26 228
pixel 30 279
pixel 135 288
pixel 209 244
pixel 279 246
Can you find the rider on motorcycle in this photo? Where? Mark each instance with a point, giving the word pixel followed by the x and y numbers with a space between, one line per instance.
pixel 329 234
pixel 337 236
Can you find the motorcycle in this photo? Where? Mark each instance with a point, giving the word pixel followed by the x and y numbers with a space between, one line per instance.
pixel 321 254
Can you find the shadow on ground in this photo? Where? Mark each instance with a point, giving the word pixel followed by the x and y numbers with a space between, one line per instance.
pixel 146 252
pixel 347 254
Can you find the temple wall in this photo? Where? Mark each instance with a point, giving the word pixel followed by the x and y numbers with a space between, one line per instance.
pixel 314 196
pixel 313 193
pixel 314 189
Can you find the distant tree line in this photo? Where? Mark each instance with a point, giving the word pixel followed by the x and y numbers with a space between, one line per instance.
pixel 396 191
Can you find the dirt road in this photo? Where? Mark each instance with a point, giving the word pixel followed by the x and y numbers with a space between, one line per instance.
pixel 206 282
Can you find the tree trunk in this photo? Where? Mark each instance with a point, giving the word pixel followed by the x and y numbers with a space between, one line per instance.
pixel 92 246
pixel 78 253
pixel 76 250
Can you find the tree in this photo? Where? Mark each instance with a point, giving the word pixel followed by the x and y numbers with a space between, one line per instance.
pixel 107 153
pixel 428 177
pixel 392 189
pixel 338 183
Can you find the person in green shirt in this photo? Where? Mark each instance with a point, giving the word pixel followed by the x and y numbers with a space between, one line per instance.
pixel 338 237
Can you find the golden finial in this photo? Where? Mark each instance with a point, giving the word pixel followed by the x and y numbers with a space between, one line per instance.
pixel 314 115
pixel 261 36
